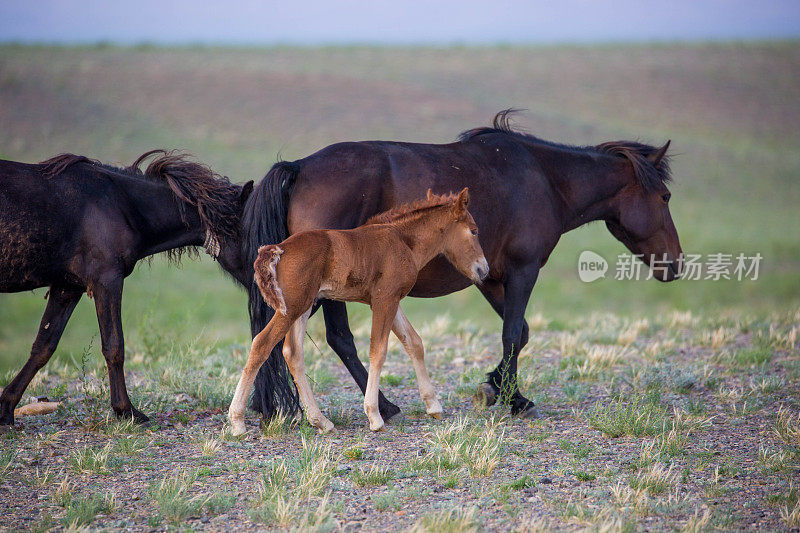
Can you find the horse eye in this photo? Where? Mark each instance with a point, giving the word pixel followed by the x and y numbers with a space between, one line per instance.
pixel 666 197
pixel 475 232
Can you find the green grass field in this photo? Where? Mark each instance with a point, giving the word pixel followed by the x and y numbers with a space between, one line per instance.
pixel 731 110
pixel 667 406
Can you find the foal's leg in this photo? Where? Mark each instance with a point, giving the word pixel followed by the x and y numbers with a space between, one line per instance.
pixel 107 291
pixel 59 308
pixel 382 317
pixel 413 345
pixel 263 343
pixel 340 339
pixel 293 352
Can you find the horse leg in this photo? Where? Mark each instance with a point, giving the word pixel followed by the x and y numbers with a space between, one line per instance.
pixel 293 352
pixel 108 304
pixel 494 293
pixel 263 343
pixel 503 379
pixel 412 342
pixel 382 317
pixel 340 339
pixel 59 308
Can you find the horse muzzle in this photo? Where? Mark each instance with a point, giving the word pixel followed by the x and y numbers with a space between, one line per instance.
pixel 480 270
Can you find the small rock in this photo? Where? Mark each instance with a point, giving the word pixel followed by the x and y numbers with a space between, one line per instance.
pixel 459 360
pixel 545 480
pixel 183 397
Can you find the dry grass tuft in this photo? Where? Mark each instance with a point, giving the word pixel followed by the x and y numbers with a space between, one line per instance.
pixel 787 426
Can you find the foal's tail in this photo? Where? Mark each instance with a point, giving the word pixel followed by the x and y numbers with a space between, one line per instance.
pixel 267 278
pixel 264 222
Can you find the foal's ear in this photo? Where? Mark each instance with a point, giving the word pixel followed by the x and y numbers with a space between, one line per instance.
pixel 460 206
pixel 656 157
pixel 429 194
pixel 247 188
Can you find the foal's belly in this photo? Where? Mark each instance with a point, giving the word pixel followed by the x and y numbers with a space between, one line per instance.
pixel 330 291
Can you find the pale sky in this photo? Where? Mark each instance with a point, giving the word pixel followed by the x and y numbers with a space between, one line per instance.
pixel 394 22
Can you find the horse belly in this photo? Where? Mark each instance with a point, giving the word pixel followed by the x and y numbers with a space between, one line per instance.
pixel 438 278
pixel 26 255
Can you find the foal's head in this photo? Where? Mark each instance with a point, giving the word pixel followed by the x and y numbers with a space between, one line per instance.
pixel 461 246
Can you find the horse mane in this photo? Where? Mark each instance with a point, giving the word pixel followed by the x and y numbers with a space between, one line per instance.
pixel 406 211
pixel 195 184
pixel 648 175
pixel 192 184
pixel 58 164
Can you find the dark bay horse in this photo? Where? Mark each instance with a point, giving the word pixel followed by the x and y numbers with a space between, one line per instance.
pixel 78 226
pixel 527 192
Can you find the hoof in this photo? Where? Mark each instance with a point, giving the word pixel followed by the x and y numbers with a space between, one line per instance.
pixel 388 410
pixel 485 396
pixel 376 426
pixel 7 419
pixel 325 427
pixel 435 410
pixel 238 428
pixel 530 413
pixel 134 414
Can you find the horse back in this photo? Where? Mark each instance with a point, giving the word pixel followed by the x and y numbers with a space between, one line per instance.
pixel 42 222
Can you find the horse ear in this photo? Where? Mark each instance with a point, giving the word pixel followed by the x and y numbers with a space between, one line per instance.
pixel 656 157
pixel 460 207
pixel 247 188
pixel 429 194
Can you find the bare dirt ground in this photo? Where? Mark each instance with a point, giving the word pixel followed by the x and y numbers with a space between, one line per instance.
pixel 681 424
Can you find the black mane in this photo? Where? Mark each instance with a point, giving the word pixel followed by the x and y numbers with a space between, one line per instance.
pixel 648 175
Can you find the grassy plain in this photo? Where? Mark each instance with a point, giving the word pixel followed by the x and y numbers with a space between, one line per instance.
pixel 661 399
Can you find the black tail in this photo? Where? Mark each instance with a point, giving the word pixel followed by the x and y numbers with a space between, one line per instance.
pixel 264 222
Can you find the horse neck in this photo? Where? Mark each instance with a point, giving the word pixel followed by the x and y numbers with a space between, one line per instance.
pixel 160 224
pixel 424 235
pixel 587 187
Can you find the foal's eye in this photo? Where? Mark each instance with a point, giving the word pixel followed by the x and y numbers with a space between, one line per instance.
pixel 666 197
pixel 475 232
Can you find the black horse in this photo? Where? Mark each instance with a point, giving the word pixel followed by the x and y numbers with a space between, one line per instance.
pixel 526 193
pixel 78 226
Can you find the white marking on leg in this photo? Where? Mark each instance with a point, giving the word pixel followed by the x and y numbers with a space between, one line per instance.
pixel 379 338
pixel 412 343
pixel 295 360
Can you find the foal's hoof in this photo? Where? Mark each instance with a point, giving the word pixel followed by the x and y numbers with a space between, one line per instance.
pixel 376 426
pixel 485 396
pixel 323 425
pixel 238 428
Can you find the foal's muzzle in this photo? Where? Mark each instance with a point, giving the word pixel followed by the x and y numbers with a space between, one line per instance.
pixel 480 270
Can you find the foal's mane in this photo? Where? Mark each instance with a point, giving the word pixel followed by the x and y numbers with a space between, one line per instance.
pixel 407 211
pixel 193 184
pixel 648 175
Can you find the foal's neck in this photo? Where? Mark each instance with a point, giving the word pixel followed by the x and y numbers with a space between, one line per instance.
pixel 424 235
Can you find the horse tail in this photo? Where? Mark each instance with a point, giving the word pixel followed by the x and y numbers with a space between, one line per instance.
pixel 264 221
pixel 266 276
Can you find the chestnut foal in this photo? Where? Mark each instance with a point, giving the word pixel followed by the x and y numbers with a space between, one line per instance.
pixel 375 264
